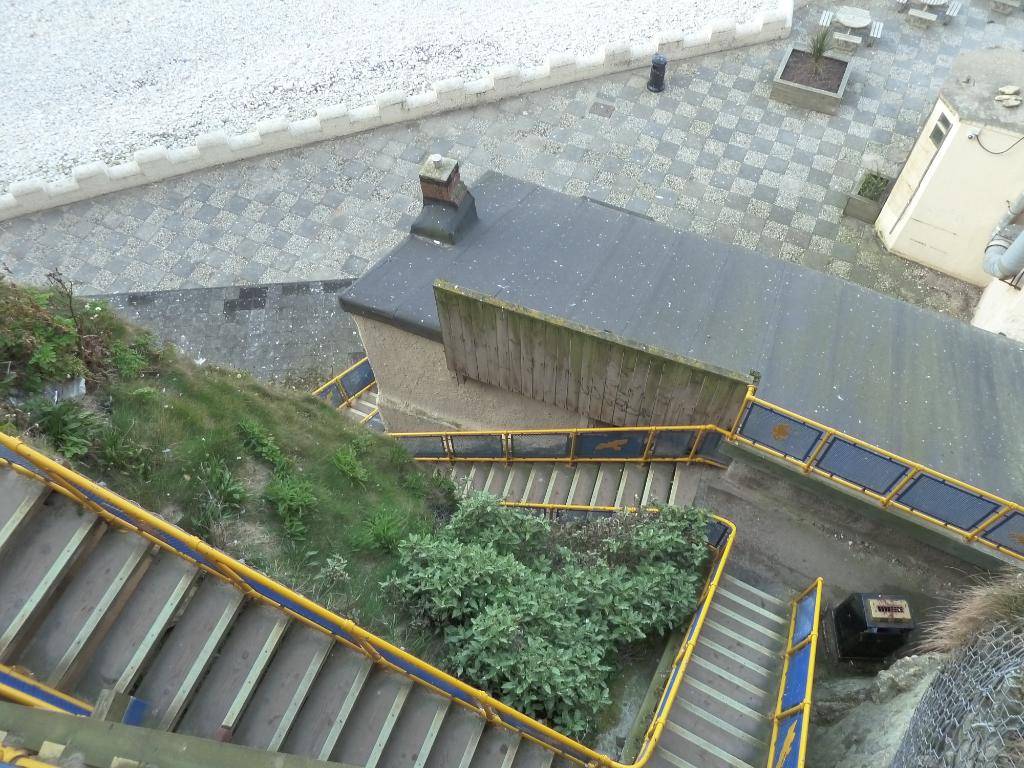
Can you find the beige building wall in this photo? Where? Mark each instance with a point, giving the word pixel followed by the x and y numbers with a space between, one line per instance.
pixel 418 393
pixel 947 200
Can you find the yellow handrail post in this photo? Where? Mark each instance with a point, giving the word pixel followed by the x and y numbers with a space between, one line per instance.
pixel 825 437
pixel 572 447
pixel 985 524
pixel 697 439
pixel 649 444
pixel 751 389
pixel 506 446
pixel 898 488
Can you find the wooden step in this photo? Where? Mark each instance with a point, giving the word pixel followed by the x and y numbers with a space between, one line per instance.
pixel 458 739
pixel 417 728
pixel 20 496
pixel 370 723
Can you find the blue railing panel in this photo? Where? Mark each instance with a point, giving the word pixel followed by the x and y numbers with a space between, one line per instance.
pixel 16 458
pixel 548 446
pixel 787 746
pixel 612 445
pixel 860 466
pixel 673 444
pixel 804 623
pixel 332 394
pixel 477 446
pixel 425 447
pixel 28 688
pixel 1008 532
pixel 709 444
pixel 779 432
pixel 797 678
pixel 358 379
pixel 946 502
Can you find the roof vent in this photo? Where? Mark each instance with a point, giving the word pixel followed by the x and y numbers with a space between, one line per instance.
pixel 448 207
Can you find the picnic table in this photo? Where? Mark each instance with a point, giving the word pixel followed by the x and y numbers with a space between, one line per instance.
pixel 853 18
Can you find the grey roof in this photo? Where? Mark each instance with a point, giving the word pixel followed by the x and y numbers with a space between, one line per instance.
pixel 921 384
pixel 974 80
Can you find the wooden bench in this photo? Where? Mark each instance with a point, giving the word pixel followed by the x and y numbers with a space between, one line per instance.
pixel 875 33
pixel 921 18
pixel 952 11
pixel 826 19
pixel 845 43
pixel 1005 6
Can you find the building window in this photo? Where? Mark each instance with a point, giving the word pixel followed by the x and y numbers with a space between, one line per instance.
pixel 939 131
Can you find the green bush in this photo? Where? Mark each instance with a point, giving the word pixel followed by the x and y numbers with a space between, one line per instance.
pixel 346 460
pixel 384 530
pixel 537 612
pixel 130 361
pixel 115 449
pixel 873 186
pixel 259 440
pixel 292 498
pixel 70 427
pixel 218 495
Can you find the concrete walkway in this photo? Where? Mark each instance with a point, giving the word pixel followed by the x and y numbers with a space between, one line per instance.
pixel 712 154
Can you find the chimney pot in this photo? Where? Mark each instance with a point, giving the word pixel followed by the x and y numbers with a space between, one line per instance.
pixel 448 207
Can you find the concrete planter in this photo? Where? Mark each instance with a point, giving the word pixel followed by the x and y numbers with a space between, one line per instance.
pixel 863 208
pixel 790 92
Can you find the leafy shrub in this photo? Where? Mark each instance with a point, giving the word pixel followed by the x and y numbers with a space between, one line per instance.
pixel 873 186
pixel 537 612
pixel 292 498
pixel 259 440
pixel 362 443
pixel 346 460
pixel 218 495
pixel 130 361
pixel 115 449
pixel 384 529
pixel 442 496
pixel 68 425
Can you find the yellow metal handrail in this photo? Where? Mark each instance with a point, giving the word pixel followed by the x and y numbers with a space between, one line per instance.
pixel 336 380
pixel 258 586
pixel 22 758
pixel 22 689
pixel 804 707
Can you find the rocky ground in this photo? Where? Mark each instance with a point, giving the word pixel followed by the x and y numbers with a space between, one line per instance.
pixel 88 80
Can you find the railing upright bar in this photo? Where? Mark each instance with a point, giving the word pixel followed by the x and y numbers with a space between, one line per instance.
pixel 822 442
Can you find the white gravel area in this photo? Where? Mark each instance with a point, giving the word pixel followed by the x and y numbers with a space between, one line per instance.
pixel 92 80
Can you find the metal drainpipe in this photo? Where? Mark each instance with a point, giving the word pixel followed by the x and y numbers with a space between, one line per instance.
pixel 1005 258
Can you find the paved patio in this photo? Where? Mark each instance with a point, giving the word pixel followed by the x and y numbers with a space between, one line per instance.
pixel 712 154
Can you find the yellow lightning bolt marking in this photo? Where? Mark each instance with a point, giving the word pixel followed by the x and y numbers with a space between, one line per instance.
pixel 611 445
pixel 787 746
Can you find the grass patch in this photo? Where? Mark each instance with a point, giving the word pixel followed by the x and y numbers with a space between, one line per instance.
pixel 273 476
pixel 974 611
pixel 873 186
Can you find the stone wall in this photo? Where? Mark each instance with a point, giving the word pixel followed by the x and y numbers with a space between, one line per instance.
pixel 160 162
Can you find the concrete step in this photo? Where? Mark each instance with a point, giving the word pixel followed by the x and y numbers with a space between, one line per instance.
pixel 497 474
pixel 515 484
pixel 761 675
pixel 170 680
pixel 328 705
pixel 79 611
pixel 220 698
pixel 45 547
pixel 458 739
pixel 368 727
pixel 371 397
pixel 748 747
pixel 747 626
pixel 714 700
pixel 497 748
pixel 559 483
pixel 685 482
pixel 478 475
pixel 750 648
pixel 581 489
pixel 631 485
pixel 134 633
pixel 658 485
pixel 748 590
pixel 753 608
pixel 606 487
pixel 698 748
pixel 417 728
pixel 20 496
pixel 726 681
pixel 531 755
pixel 537 483
pixel 280 694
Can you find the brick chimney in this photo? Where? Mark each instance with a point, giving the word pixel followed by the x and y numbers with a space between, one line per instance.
pixel 448 207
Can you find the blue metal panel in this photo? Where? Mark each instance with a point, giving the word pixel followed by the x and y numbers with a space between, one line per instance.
pixel 29 688
pixel 946 502
pixel 333 395
pixel 709 444
pixel 787 745
pixel 1006 531
pixel 796 678
pixel 477 446
pixel 16 458
pixel 358 379
pixel 717 533
pixel 804 624
pixel 269 592
pixel 135 712
pixel 860 466
pixel 612 445
pixel 431 447
pixel 673 444
pixel 783 434
pixel 549 446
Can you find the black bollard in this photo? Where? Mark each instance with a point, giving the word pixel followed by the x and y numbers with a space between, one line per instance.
pixel 656 83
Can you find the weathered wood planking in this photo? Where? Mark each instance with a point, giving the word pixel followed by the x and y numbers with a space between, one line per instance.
pixel 594 373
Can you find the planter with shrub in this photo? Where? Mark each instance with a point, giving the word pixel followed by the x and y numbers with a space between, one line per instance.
pixel 812 78
pixel 868 196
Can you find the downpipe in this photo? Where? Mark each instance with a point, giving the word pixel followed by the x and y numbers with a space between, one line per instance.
pixel 1004 257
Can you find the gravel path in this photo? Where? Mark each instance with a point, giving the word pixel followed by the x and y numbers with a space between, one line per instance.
pixel 91 79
